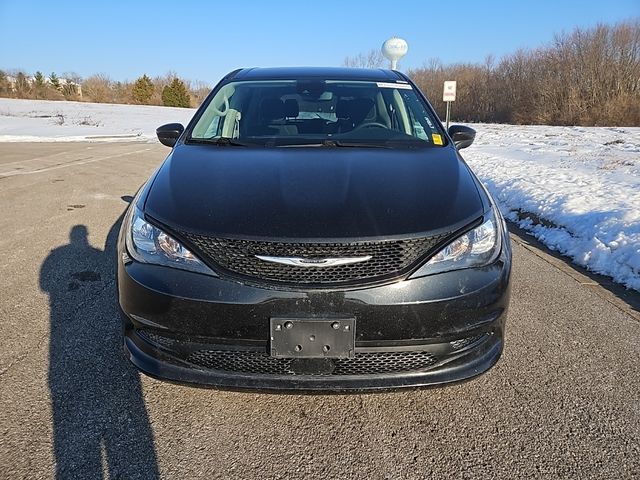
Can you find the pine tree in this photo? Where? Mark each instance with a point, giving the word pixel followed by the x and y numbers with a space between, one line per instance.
pixel 40 87
pixel 55 81
pixel 142 90
pixel 175 94
pixel 4 84
pixel 39 80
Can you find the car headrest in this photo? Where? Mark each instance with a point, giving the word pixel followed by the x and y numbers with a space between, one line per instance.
pixel 271 108
pixel 291 108
pixel 355 110
pixel 342 109
pixel 360 108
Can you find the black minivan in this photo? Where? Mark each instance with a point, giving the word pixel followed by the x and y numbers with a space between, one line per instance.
pixel 314 229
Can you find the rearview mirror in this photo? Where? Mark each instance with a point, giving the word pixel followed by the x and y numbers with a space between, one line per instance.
pixel 168 134
pixel 462 136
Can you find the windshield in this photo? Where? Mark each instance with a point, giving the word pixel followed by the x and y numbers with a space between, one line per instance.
pixel 318 112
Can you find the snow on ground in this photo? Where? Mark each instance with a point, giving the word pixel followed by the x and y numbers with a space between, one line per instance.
pixel 50 121
pixel 582 185
pixel 577 189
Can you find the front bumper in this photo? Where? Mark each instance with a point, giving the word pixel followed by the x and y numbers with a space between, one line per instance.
pixel 193 328
pixel 157 363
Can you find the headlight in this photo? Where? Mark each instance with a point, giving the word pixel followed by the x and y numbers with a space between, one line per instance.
pixel 146 243
pixel 475 248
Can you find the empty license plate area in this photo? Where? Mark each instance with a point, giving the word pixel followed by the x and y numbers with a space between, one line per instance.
pixel 312 337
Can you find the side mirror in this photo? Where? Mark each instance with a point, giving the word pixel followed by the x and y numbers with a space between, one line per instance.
pixel 168 134
pixel 462 136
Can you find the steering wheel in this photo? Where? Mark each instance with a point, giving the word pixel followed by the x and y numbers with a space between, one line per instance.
pixel 370 125
pixel 221 113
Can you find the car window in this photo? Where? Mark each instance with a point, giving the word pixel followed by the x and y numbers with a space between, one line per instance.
pixel 290 112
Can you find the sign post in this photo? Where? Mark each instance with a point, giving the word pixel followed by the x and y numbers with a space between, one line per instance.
pixel 449 95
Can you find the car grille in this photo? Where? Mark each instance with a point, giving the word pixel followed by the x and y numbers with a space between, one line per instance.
pixel 367 363
pixel 390 258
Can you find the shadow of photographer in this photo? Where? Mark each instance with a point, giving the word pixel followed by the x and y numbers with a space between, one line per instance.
pixel 100 422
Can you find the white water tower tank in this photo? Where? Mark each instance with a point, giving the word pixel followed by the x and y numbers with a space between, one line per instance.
pixel 394 49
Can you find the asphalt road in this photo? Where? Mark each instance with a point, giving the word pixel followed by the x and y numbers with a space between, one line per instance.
pixel 563 402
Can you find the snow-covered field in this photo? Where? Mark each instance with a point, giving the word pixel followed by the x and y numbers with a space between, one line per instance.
pixel 49 121
pixel 582 185
pixel 577 189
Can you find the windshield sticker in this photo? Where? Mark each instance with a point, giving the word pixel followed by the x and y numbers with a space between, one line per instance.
pixel 428 120
pixel 404 86
pixel 437 139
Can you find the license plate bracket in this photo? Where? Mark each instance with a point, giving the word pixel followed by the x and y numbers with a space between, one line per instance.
pixel 292 337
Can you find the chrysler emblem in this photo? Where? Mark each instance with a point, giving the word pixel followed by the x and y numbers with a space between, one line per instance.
pixel 314 262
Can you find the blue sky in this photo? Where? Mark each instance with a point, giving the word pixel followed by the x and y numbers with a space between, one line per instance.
pixel 202 40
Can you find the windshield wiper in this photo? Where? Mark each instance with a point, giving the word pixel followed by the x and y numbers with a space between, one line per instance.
pixel 222 141
pixel 332 143
pixel 227 141
pixel 341 143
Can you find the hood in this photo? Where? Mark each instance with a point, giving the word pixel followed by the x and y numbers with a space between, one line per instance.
pixel 313 192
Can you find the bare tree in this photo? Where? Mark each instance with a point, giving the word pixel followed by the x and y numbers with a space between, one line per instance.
pixel 98 88
pixel 199 91
pixel 372 59
pixel 586 77
pixel 22 85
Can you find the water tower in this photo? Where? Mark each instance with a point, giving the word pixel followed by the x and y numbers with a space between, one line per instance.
pixel 394 49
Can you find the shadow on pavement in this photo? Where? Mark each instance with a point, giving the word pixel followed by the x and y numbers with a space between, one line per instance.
pixel 100 423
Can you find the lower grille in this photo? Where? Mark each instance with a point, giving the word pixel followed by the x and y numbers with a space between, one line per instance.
pixel 259 362
pixel 151 336
pixel 389 258
pixel 367 363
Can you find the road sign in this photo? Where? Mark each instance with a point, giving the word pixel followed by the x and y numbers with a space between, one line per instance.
pixel 449 93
